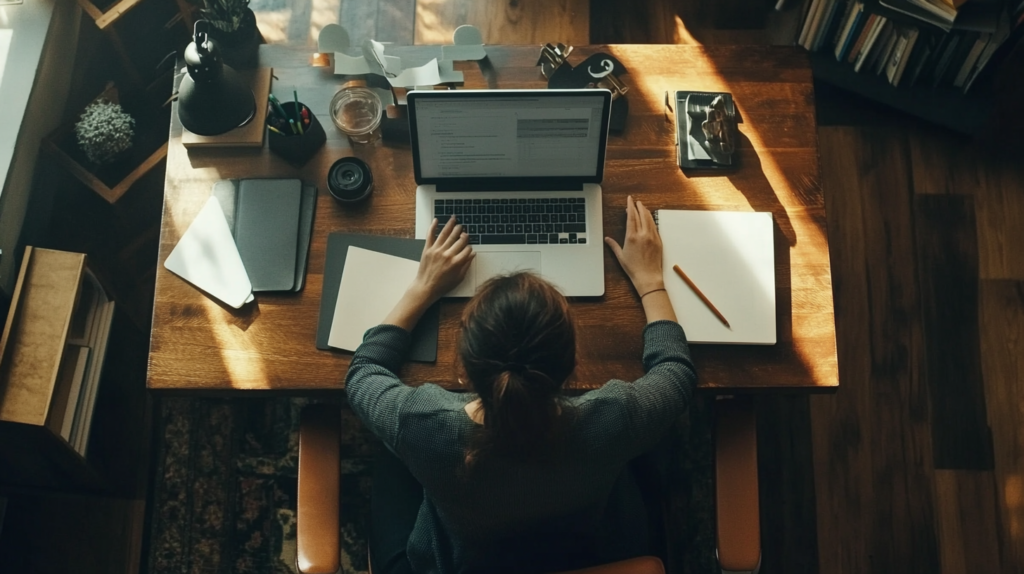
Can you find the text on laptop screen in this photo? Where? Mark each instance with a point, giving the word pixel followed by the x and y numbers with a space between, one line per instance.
pixel 506 136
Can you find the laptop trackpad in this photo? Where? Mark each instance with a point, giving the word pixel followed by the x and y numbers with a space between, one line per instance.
pixel 503 262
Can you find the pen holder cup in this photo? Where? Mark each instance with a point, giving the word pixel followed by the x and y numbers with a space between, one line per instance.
pixel 293 147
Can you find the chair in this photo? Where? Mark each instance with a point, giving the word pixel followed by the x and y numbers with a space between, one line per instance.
pixel 317 512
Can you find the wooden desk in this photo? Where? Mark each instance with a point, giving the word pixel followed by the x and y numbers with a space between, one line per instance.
pixel 200 345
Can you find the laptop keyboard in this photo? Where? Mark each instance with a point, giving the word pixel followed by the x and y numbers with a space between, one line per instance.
pixel 534 220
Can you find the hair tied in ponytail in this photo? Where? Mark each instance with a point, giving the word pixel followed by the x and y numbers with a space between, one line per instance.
pixel 516 368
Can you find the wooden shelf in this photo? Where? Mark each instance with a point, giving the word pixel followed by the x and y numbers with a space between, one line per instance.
pixel 945 106
pixel 51 358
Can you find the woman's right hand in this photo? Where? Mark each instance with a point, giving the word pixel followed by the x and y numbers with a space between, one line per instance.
pixel 640 253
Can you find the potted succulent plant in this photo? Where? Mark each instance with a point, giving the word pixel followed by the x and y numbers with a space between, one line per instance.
pixel 233 27
pixel 104 132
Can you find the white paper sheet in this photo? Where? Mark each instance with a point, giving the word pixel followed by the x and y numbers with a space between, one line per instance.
pixel 425 75
pixel 207 257
pixel 371 285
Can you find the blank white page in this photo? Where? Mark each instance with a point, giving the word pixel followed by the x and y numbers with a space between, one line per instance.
pixel 371 285
pixel 730 256
pixel 206 256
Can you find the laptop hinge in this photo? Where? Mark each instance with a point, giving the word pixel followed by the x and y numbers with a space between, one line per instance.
pixel 514 184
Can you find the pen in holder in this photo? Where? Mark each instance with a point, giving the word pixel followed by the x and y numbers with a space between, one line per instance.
pixel 294 140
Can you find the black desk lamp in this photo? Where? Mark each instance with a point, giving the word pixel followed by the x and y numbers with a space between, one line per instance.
pixel 212 99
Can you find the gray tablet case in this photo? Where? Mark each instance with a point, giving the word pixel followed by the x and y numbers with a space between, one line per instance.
pixel 228 193
pixel 424 336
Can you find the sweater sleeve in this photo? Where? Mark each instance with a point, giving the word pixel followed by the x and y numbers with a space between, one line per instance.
pixel 651 403
pixel 374 390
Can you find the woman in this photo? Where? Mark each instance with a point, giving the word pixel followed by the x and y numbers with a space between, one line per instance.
pixel 514 476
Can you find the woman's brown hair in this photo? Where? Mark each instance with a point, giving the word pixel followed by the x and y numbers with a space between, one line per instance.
pixel 517 348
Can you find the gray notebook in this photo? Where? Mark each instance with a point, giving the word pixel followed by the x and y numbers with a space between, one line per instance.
pixel 271 221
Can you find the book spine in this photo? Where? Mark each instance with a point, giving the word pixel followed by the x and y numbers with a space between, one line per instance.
pixel 972 58
pixel 816 26
pixel 897 54
pixel 907 53
pixel 870 43
pixel 865 31
pixel 811 14
pixel 844 43
pixel 826 25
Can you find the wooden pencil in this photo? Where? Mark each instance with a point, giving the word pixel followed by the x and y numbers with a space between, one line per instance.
pixel 706 301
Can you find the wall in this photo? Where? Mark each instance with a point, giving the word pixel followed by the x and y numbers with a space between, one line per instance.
pixel 33 89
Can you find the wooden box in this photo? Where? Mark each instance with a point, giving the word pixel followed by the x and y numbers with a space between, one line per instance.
pixel 51 356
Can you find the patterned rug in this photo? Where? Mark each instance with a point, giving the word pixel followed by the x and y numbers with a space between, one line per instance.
pixel 225 485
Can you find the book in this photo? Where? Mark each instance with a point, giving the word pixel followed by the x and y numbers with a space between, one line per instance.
pixel 910 9
pixel 908 51
pixel 840 22
pixel 80 362
pixel 927 44
pixel 971 59
pixel 836 26
pixel 816 24
pixel 848 30
pixel 827 26
pixel 267 231
pixel 883 45
pixel 226 192
pixel 865 31
pixel 66 390
pixel 881 24
pixel 730 257
pixel 248 135
pixel 808 23
pixel 902 39
pixel 942 62
pixel 82 423
pixel 998 37
pixel 963 48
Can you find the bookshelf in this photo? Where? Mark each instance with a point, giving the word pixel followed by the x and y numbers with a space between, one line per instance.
pixel 51 357
pixel 927 93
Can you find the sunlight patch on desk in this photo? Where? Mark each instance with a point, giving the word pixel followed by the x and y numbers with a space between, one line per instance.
pixel 273 25
pixel 324 12
pixel 245 368
pixel 428 23
pixel 682 35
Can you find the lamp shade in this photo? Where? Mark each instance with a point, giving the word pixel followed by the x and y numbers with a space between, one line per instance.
pixel 212 98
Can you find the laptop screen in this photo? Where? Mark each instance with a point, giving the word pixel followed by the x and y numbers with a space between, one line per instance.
pixel 496 137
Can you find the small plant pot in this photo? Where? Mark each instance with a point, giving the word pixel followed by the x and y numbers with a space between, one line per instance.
pixel 240 48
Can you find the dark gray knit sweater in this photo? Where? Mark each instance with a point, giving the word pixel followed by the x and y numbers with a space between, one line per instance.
pixel 501 507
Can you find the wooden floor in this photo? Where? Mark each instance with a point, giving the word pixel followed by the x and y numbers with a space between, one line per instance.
pixel 916 464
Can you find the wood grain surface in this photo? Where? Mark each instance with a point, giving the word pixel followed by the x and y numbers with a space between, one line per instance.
pixel 199 345
pixel 534 22
pixel 873 464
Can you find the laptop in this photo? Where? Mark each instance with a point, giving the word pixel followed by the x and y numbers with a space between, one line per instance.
pixel 521 170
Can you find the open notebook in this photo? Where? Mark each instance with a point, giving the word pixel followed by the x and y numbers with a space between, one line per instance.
pixel 730 256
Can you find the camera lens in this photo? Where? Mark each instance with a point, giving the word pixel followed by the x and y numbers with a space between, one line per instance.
pixel 349 179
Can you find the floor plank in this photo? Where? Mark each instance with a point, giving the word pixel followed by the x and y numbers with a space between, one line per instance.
pixel 789 539
pixel 967 522
pixel 1002 345
pixel 505 21
pixel 947 267
pixel 872 444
